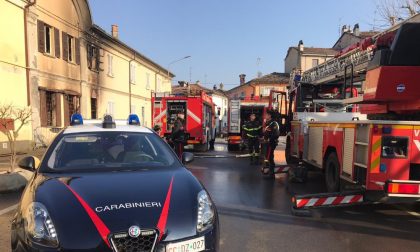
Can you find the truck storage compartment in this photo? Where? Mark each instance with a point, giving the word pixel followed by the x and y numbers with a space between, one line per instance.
pixel 174 108
pixel 415 172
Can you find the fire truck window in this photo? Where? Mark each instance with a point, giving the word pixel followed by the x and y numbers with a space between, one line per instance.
pixel 394 147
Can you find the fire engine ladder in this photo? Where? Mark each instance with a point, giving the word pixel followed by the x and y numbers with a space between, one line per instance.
pixel 358 58
pixel 332 68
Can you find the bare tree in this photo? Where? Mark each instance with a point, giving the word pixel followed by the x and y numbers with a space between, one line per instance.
pixel 389 11
pixel 393 11
pixel 12 120
pixel 412 6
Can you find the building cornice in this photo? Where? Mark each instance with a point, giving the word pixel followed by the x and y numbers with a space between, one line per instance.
pixel 104 35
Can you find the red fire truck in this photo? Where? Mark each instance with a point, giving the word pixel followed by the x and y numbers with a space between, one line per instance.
pixel 198 109
pixel 239 112
pixel 357 118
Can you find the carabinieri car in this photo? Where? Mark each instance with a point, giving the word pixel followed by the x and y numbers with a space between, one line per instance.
pixel 103 186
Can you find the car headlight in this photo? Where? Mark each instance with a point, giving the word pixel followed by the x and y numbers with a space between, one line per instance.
pixel 205 215
pixel 39 226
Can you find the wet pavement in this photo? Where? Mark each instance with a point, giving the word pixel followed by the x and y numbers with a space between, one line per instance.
pixel 255 213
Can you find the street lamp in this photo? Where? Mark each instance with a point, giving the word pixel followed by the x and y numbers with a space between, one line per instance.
pixel 175 61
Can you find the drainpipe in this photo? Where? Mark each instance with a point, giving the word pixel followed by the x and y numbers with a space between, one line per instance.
pixel 25 27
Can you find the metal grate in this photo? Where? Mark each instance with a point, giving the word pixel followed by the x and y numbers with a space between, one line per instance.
pixel 145 242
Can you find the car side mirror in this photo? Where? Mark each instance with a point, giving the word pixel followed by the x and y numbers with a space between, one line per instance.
pixel 29 163
pixel 187 157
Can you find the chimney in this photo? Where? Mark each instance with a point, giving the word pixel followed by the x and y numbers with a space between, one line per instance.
pixel 114 31
pixel 221 86
pixel 356 30
pixel 301 46
pixel 344 29
pixel 242 79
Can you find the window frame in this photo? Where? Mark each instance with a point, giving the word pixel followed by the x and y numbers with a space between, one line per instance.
pixel 159 84
pixel 133 73
pixel 93 57
pixel 94 108
pixel 51 108
pixel 110 109
pixel 147 81
pixel 51 40
pixel 110 65
pixel 71 49
pixel 317 63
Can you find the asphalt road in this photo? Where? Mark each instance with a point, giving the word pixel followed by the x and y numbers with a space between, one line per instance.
pixel 255 214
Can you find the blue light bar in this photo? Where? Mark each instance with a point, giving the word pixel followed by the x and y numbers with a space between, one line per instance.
pixel 76 119
pixel 133 119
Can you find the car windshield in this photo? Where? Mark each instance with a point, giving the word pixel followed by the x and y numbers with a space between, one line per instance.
pixel 109 150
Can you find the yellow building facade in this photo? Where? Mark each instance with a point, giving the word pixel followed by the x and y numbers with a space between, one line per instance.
pixel 70 65
pixel 304 58
pixel 13 78
pixel 127 79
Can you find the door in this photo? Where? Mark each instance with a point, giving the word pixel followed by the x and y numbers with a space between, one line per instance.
pixel 278 102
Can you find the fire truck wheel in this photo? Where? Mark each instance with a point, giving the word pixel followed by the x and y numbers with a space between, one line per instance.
pixel 289 159
pixel 332 173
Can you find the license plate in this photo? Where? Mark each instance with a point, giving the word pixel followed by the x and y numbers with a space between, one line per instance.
pixel 194 245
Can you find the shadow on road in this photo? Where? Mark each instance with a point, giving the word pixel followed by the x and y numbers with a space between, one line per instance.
pixel 352 219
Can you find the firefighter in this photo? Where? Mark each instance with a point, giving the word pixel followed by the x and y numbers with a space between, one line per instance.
pixel 178 135
pixel 271 135
pixel 157 129
pixel 253 132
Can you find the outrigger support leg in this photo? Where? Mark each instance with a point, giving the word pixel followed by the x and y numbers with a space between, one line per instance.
pixel 303 203
pixel 298 173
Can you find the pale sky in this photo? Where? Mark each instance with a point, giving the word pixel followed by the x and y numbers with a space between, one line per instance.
pixel 228 37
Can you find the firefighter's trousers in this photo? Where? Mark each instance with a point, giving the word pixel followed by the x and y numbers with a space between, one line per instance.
pixel 179 149
pixel 254 148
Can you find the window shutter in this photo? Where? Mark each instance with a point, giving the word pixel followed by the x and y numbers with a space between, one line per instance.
pixel 41 37
pixel 43 108
pixel 57 42
pixel 98 62
pixel 65 46
pixel 77 45
pixel 58 109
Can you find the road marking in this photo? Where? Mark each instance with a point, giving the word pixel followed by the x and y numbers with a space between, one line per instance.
pixel 6 210
pixel 415 214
